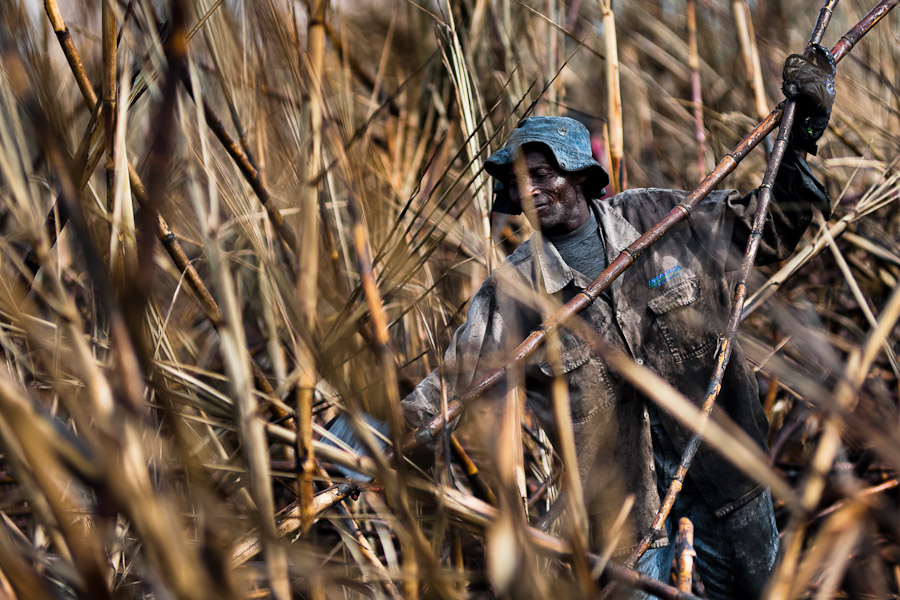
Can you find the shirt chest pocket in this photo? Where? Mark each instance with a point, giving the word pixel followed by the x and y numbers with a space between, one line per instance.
pixel 686 322
pixel 589 386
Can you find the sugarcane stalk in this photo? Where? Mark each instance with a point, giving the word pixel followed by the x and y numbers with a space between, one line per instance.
pixel 71 53
pixel 309 266
pixel 750 54
pixel 426 433
pixel 479 485
pixel 696 93
pixel 384 352
pixel 109 91
pixel 554 93
pixel 616 141
pixel 684 547
pixel 358 70
pixel 250 429
pixel 562 414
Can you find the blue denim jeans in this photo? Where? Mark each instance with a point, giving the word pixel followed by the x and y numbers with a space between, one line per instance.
pixel 654 563
pixel 735 552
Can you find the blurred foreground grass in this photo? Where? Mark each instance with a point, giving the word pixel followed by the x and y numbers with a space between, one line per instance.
pixel 324 220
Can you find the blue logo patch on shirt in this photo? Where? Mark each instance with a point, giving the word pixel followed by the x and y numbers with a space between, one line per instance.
pixel 665 276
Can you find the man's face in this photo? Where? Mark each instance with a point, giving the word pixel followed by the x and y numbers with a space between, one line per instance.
pixel 558 201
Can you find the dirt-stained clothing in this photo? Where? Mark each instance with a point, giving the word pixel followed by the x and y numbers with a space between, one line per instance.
pixel 667 311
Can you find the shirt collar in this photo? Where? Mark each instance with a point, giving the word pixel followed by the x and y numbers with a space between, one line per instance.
pixel 615 229
pixel 617 234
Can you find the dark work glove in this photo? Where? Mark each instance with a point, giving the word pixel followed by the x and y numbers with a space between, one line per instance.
pixel 810 83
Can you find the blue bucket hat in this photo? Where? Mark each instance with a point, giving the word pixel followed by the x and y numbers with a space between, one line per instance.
pixel 568 141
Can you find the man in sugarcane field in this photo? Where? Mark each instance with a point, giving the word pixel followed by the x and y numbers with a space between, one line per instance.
pixel 667 312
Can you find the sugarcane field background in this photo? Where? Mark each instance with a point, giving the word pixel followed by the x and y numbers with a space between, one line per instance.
pixel 223 223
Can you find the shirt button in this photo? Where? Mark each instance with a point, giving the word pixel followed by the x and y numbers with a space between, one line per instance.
pixel 639 361
pixel 652 467
pixel 618 314
pixel 646 414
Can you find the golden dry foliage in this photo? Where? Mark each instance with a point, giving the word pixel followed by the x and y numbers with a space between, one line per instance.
pixel 223 223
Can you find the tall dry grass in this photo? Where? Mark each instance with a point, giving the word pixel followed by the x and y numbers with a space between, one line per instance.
pixel 225 222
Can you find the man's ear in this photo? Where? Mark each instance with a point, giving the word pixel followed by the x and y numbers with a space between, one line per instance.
pixel 577 178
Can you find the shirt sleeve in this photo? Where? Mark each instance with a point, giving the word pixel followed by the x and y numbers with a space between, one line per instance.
pixel 474 349
pixel 794 194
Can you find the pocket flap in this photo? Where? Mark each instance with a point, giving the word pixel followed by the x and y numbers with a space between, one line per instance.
pixel 572 354
pixel 681 295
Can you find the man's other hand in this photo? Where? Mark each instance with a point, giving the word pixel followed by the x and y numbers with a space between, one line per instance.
pixel 809 81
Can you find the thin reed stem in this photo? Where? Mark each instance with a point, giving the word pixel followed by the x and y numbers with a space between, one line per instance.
pixel 750 54
pixel 110 92
pixel 614 99
pixel 476 480
pixel 309 267
pixel 696 89
pixel 71 54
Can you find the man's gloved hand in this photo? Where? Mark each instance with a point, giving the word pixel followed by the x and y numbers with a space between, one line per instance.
pixel 810 83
